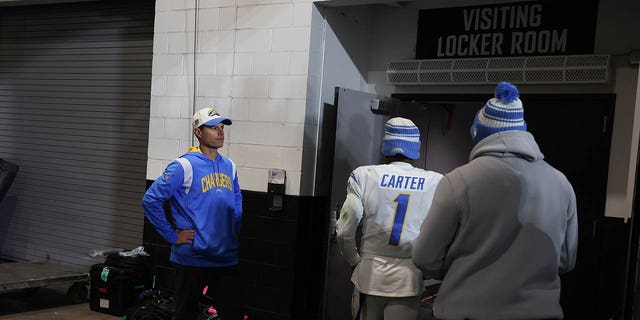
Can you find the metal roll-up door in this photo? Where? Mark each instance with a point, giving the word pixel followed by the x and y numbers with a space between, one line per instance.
pixel 75 82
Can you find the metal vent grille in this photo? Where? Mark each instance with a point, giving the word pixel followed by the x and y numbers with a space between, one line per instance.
pixel 542 69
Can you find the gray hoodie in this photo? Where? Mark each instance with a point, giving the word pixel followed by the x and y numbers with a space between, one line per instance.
pixel 500 231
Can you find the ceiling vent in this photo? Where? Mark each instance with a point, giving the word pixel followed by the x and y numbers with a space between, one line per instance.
pixel 538 69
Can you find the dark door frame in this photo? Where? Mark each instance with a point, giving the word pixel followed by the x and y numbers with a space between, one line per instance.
pixel 632 290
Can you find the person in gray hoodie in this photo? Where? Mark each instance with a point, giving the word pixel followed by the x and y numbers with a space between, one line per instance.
pixel 501 228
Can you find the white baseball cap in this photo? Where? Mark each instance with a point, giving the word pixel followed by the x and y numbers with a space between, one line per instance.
pixel 208 117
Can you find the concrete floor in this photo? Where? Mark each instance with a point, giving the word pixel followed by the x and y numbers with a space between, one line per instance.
pixel 70 312
pixel 47 303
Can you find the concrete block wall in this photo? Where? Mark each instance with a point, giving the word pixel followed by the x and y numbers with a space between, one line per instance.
pixel 251 61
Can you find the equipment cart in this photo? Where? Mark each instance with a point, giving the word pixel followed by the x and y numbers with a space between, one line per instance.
pixel 31 275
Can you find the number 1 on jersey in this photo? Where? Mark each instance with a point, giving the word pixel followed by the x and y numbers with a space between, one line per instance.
pixel 402 202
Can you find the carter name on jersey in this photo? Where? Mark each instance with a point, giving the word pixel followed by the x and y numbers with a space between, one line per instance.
pixel 402 182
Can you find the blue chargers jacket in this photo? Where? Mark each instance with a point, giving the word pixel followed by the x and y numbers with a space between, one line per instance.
pixel 204 196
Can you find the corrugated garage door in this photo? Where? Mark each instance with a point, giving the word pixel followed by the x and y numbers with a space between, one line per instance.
pixel 75 82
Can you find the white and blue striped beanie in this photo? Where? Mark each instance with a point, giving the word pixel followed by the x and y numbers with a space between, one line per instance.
pixel 501 113
pixel 401 136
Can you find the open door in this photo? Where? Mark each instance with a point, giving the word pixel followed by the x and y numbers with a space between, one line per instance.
pixel 358 132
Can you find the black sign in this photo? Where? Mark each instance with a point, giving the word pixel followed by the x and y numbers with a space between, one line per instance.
pixel 510 29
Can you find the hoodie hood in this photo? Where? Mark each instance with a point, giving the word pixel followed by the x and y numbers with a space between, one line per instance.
pixel 512 143
pixel 196 152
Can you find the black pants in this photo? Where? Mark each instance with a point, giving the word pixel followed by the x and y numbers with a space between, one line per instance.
pixel 223 292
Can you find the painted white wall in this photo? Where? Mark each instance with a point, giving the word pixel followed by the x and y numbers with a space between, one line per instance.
pixel 251 61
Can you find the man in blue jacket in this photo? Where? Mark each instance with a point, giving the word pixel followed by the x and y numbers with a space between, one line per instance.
pixel 206 206
pixel 502 227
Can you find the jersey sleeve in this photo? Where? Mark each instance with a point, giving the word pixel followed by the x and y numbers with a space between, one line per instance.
pixel 161 191
pixel 237 222
pixel 350 216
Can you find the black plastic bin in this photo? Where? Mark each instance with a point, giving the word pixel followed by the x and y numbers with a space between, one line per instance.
pixel 114 289
pixel 8 172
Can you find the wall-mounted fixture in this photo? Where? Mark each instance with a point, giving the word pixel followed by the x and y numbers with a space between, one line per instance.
pixel 276 188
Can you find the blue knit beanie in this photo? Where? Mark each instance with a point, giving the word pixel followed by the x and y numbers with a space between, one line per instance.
pixel 501 113
pixel 401 136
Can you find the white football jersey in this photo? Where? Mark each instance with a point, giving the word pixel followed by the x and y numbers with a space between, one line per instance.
pixel 392 200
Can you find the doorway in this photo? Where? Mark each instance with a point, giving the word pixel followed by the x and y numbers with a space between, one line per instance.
pixel 574 134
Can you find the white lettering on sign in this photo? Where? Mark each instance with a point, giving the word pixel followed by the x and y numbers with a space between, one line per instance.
pixel 544 41
pixel 509 17
pixel 484 44
pixel 491 42
pixel 467 45
pixel 527 28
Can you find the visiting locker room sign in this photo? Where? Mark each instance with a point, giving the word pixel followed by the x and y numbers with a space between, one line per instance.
pixel 505 30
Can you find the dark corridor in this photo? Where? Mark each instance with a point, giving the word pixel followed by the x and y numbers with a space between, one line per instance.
pixel 574 134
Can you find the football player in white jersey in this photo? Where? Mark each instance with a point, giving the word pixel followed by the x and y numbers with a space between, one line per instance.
pixel 391 200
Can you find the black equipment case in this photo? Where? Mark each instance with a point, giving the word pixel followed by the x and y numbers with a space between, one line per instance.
pixel 116 284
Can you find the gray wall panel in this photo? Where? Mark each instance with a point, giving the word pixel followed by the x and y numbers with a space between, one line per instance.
pixel 75 83
pixel 73 76
pixel 131 162
pixel 127 224
pixel 80 45
pixel 63 70
pixel 44 93
pixel 54 151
